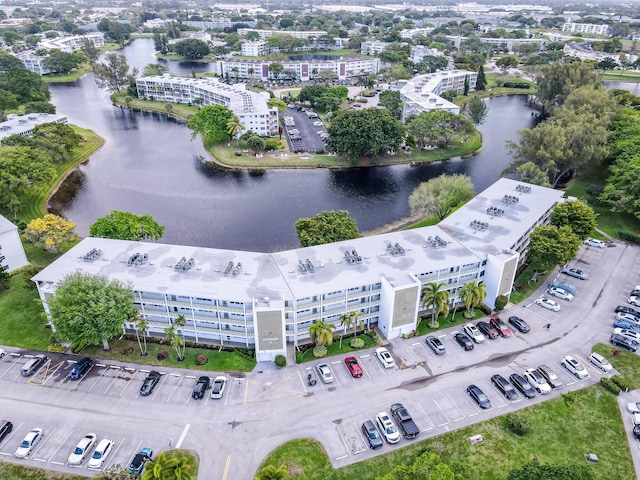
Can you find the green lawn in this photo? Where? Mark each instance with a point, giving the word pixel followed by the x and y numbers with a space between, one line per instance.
pixel 559 435
pixel 69 77
pixel 336 348
pixel 129 351
pixel 621 76
pixel 10 471
pixel 608 221
pixel 624 362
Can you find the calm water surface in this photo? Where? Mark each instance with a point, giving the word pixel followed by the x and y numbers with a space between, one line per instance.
pixel 149 165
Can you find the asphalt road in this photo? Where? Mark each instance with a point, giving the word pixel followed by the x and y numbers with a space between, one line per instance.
pixel 263 409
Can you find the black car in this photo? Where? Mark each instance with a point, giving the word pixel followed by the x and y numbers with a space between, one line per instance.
pixel 479 396
pixel 435 344
pixel 629 310
pixel 487 330
pixel 80 368
pixel 201 386
pixel 464 341
pixel 636 432
pixel 373 436
pixel 504 387
pixel 5 428
pixel 635 293
pixel 522 385
pixel 519 324
pixel 149 383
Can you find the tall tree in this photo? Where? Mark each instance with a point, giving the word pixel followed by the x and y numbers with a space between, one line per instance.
pixel 90 49
pixel 153 69
pixel 439 196
pixel 235 128
pixel 481 80
pixel 390 99
pixel 576 215
pixel 4 271
pixel 114 73
pixel 90 309
pixel 326 227
pixel 191 48
pixel 477 109
pixel 126 226
pixel 210 122
pixel 142 328
pixel 321 334
pixel 276 69
pixel 438 126
pixel 435 296
pixel 550 246
pixel 472 294
pixel 557 80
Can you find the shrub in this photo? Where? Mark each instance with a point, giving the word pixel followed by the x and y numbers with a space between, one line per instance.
pixel 485 309
pixel 569 398
pixel 629 237
pixel 621 382
pixel 608 385
pixel 272 144
pixel 523 85
pixel 319 351
pixel 356 343
pixel 161 355
pixel 517 424
pixel 201 360
pixel 501 302
pixel 280 361
pixel 595 190
pixel 320 151
pixel 78 347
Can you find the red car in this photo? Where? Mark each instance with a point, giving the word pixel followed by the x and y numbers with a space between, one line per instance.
pixel 500 326
pixel 354 367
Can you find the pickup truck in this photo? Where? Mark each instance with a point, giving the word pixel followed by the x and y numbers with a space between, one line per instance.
pixel 407 426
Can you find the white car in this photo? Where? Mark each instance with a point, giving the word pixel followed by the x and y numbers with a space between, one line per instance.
pixel 633 300
pixel 560 293
pixel 83 447
pixel 574 367
pixel 30 441
pixel 537 381
pixel 600 362
pixel 592 242
pixel 385 357
pixel 324 372
pixel 100 454
pixel 547 303
pixel 630 334
pixel 2 353
pixel 388 428
pixel 318 123
pixel 217 389
pixel 474 334
pixel 636 418
pixel 633 407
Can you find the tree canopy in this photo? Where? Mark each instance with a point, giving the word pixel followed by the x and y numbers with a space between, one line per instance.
pixel 50 231
pixel 437 127
pixel 440 195
pixel 210 122
pixel 534 470
pixel 114 73
pixel 191 48
pixel 557 80
pixel 365 133
pixel 90 309
pixel 477 110
pixel 427 466
pixel 550 246
pixel 126 226
pixel 152 69
pixel 63 62
pixel 326 227
pixel 390 99
pixel 576 215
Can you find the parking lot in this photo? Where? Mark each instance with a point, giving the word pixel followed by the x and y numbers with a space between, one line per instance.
pixel 305 133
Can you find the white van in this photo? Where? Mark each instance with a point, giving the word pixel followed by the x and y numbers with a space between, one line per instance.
pixel 33 365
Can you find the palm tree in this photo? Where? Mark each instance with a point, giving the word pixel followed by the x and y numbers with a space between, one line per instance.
pixel 472 294
pixel 272 473
pixel 321 333
pixel 142 327
pixel 165 467
pixel 235 128
pixel 251 71
pixel 434 296
pixel 182 470
pixel 175 339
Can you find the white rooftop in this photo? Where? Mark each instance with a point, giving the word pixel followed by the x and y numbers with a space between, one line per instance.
pixel 20 124
pixel 6 225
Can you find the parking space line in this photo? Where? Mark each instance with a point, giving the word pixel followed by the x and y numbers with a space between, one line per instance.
pixel 344 440
pixel 443 414
pixel 362 365
pixel 366 442
pixel 174 388
pixel 60 446
pixel 226 467
pixel 13 362
pixel 458 408
pixel 112 367
pixel 112 455
pixel 40 446
pixel 427 417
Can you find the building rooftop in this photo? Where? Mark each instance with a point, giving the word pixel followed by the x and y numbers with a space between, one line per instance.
pixel 21 124
pixel 6 225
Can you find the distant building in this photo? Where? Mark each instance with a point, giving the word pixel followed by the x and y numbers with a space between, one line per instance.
pixel 257 48
pixel 422 93
pixel 264 34
pixel 34 63
pixel 212 24
pixel 250 107
pixel 584 51
pixel 418 52
pixel 12 250
pixel 586 28
pixel 415 32
pixel 373 48
pixel 24 124
pixel 71 44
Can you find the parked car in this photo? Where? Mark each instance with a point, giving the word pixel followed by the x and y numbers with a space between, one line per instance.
pixel 550 376
pixel 473 333
pixel 30 440
pixel 464 341
pixel 575 273
pixel 139 459
pixel 388 428
pixel 600 362
pixel 372 435
pixel 630 317
pixel 33 365
pixel 219 384
pixel 502 328
pixel 519 324
pixel 634 300
pixel 80 368
pixel 636 432
pixel 201 386
pixel 547 303
pixel 353 366
pixel 623 342
pixel 478 396
pixel 149 383
pixel 324 372
pixel 574 367
pixel 436 345
pixel 82 449
pixel 522 385
pixel 633 407
pixel 629 310
pixel 385 357
pixel 632 335
pixel 560 293
pixel 592 242
pixel 504 387
pixel 404 420
pixel 487 330
pixel 6 427
pixel 626 325
pixel 537 381
pixel 100 454
pixel 2 353
pixel 635 418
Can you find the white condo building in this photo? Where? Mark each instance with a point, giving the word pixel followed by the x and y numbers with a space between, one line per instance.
pixel 418 52
pixel 269 300
pixel 257 48
pixel 24 124
pixel 586 28
pixel 264 34
pixel 250 107
pixel 422 93
pixel 71 44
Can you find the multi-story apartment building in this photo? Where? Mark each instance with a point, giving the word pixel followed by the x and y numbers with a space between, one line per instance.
pixel 257 48
pixel 264 34
pixel 415 32
pixel 584 51
pixel 24 124
pixel 34 63
pixel 211 24
pixel 250 107
pixel 422 93
pixel 418 52
pixel 586 28
pixel 71 44
pixel 267 301
pixel 301 70
pixel 373 48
